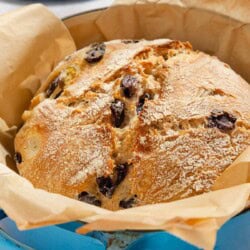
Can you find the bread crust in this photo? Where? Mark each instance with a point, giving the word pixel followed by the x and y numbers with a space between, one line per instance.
pixel 165 143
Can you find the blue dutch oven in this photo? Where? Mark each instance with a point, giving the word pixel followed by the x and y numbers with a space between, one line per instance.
pixel 234 235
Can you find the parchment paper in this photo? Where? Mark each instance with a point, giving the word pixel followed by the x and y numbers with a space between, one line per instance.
pixel 43 40
pixel 32 41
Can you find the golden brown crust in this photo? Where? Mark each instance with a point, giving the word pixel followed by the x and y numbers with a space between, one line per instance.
pixel 166 143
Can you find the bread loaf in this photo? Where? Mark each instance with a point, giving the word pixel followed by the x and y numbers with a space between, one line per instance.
pixel 127 123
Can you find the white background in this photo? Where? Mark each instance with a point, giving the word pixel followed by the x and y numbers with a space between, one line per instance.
pixel 60 8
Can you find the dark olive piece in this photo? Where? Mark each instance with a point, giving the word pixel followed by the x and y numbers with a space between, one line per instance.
pixel 222 120
pixel 95 53
pixel 130 41
pixel 53 85
pixel 121 172
pixel 88 198
pixel 128 85
pixel 18 158
pixel 128 203
pixel 118 112
pixel 106 186
pixel 141 102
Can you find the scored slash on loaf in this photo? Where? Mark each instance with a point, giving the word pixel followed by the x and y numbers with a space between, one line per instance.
pixel 127 123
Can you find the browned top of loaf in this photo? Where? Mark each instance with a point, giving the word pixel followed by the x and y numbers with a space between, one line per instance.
pixel 69 139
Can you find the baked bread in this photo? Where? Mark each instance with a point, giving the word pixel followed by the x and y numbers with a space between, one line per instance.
pixel 127 123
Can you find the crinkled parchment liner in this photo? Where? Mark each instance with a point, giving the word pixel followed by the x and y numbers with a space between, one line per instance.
pixel 33 41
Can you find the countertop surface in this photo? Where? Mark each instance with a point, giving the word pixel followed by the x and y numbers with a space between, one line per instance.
pixel 60 8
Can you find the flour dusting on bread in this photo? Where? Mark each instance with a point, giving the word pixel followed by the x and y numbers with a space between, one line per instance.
pixel 127 123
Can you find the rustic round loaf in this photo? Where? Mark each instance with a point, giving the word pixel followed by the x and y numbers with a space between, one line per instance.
pixel 127 123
